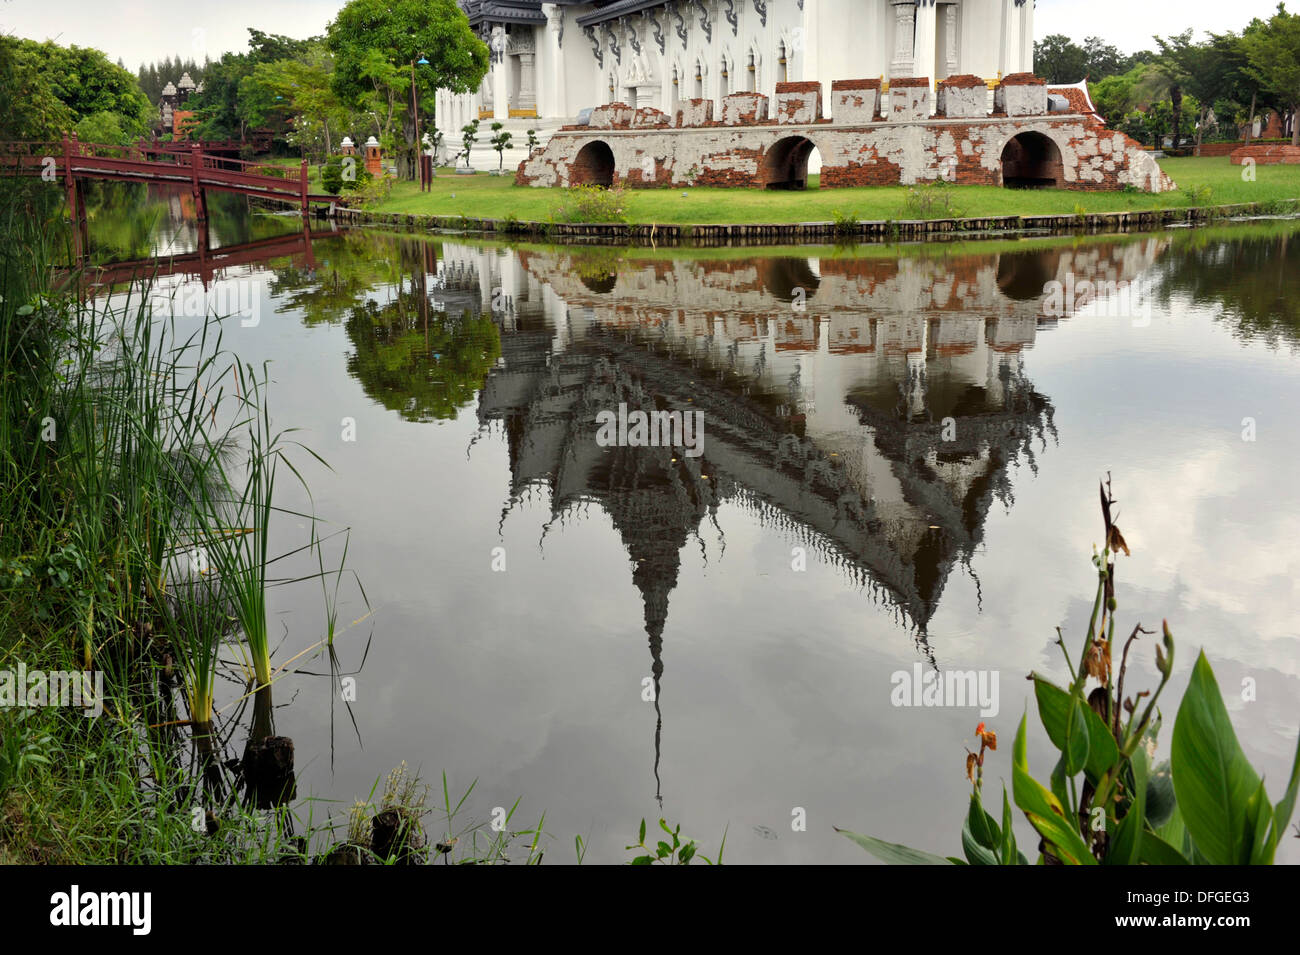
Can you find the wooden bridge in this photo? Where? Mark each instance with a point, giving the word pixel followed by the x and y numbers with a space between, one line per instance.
pixel 68 160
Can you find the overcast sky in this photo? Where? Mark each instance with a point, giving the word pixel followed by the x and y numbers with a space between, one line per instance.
pixel 145 30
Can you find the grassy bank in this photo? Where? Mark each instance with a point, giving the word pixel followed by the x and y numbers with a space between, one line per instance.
pixel 137 480
pixel 1201 181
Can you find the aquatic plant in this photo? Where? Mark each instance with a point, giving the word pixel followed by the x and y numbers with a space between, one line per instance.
pixel 1105 802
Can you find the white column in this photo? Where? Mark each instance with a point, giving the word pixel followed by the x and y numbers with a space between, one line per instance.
pixel 1027 37
pixel 926 27
pixel 1010 37
pixel 500 78
pixel 554 58
pixel 808 65
pixel 904 58
pixel 527 82
pixel 950 39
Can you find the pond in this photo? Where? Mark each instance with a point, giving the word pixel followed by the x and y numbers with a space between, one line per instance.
pixel 895 470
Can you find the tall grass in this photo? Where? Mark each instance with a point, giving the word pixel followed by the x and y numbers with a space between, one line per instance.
pixel 134 534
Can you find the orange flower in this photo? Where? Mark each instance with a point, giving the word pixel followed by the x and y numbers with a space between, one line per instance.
pixel 971 761
pixel 988 738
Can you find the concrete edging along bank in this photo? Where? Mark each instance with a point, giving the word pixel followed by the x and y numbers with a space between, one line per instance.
pixel 797 232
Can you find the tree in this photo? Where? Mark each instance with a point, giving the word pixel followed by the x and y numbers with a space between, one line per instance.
pixel 104 128
pixel 533 142
pixel 468 134
pixel 84 81
pixel 1273 55
pixel 29 110
pixel 1101 59
pixel 376 44
pixel 500 142
pixel 1178 57
pixel 1058 59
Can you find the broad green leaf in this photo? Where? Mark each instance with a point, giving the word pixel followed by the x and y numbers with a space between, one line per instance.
pixel 1044 810
pixel 1076 739
pixel 1160 796
pixel 980 838
pixel 1008 847
pixel 1286 805
pixel 892 852
pixel 1213 781
pixel 1172 829
pixel 1054 708
pixel 1259 819
pixel 1126 838
pixel 976 854
pixel 1155 851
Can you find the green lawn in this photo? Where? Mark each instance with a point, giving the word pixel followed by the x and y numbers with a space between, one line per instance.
pixel 496 197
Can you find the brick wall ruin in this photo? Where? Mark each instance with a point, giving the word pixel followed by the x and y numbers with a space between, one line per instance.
pixel 874 136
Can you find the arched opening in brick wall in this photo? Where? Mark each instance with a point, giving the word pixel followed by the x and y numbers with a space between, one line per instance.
pixel 1031 161
pixel 593 166
pixel 785 164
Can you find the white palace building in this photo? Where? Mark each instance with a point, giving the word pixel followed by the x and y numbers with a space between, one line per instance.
pixel 552 60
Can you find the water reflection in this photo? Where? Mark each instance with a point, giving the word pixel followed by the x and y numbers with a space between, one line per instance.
pixel 883 409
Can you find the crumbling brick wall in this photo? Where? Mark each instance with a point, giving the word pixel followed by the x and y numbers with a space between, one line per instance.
pixel 909 98
pixel 962 97
pixel 855 101
pixel 1272 154
pixel 694 112
pixel 1021 94
pixel 744 108
pixel 1069 150
pixel 798 103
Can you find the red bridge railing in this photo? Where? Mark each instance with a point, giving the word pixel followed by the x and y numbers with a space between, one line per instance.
pixel 68 160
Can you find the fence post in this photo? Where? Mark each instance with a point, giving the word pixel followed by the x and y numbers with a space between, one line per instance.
pixel 302 184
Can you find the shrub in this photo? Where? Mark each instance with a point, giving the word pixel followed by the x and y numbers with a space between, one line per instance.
pixel 844 224
pixel 934 200
pixel 331 175
pixel 591 204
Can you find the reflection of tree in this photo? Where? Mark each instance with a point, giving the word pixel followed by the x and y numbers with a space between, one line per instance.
pixel 1254 275
pixel 131 221
pixel 422 364
pixel 348 268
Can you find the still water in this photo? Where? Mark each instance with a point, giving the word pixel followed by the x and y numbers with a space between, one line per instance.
pixel 901 449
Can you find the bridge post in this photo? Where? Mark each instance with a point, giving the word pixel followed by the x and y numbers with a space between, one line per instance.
pixel 302 186
pixel 196 162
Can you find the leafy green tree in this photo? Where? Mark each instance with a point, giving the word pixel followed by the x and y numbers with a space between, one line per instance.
pixel 1058 59
pixel 29 109
pixel 1273 55
pixel 102 128
pixel 83 80
pixel 376 44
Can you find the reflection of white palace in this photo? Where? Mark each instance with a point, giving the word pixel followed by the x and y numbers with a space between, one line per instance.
pixel 552 60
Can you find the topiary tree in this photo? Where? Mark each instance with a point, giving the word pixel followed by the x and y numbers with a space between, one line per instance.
pixel 469 132
pixel 500 142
